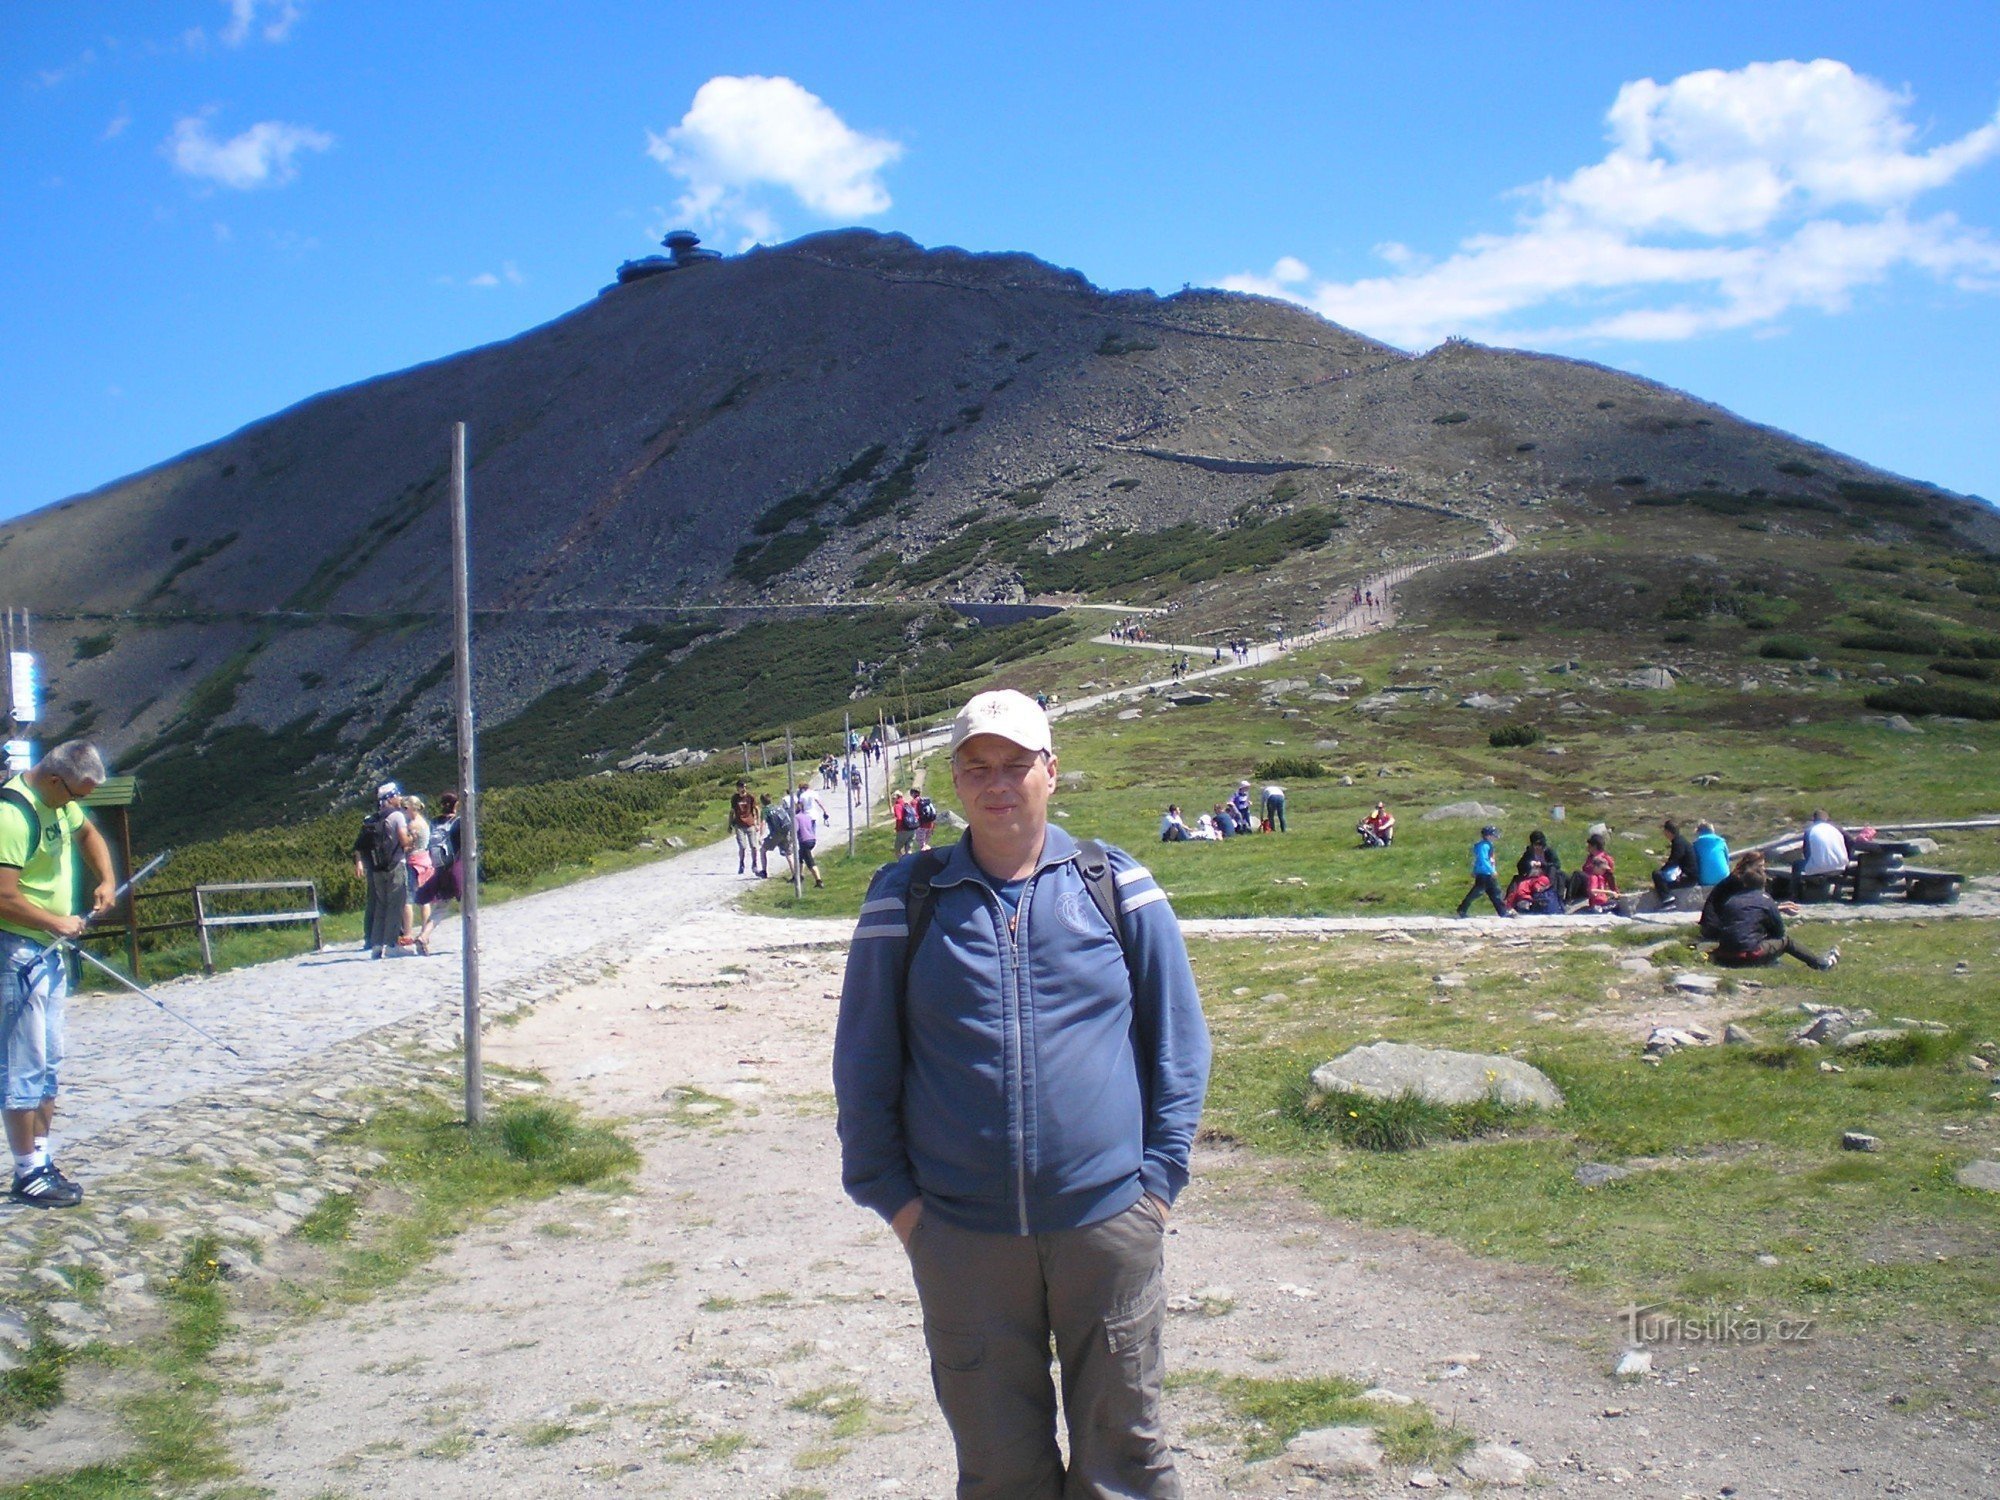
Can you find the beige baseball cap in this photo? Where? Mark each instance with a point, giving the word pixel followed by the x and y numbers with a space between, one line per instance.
pixel 1011 715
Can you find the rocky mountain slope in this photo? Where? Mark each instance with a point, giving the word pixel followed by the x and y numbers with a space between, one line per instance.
pixel 846 417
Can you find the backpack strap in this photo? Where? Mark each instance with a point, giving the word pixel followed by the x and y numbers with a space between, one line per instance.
pixel 13 798
pixel 1093 862
pixel 920 902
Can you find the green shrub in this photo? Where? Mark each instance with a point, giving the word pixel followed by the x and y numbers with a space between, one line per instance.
pixel 1787 648
pixel 892 488
pixel 1632 481
pixel 1506 635
pixel 1796 469
pixel 1885 496
pixel 1978 671
pixel 761 562
pixel 1896 643
pixel 1934 699
pixel 1513 736
pixel 876 570
pixel 1116 344
pixel 1451 419
pixel 95 645
pixel 1289 768
pixel 1905 1049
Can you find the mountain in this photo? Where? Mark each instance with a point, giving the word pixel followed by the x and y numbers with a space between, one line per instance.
pixel 846 417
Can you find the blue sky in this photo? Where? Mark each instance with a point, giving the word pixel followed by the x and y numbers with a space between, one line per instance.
pixel 212 209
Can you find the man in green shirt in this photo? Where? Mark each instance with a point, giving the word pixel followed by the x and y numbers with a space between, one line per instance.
pixel 41 828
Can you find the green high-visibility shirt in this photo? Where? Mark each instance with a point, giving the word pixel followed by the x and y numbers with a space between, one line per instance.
pixel 45 855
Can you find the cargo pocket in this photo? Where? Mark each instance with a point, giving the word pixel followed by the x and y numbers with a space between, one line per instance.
pixel 1133 1334
pixel 956 1358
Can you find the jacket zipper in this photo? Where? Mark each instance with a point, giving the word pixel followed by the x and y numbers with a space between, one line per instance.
pixel 1021 1073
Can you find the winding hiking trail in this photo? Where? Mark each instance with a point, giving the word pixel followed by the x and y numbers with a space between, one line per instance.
pixel 733 1324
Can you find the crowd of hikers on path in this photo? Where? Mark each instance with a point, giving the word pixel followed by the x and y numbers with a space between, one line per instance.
pixel 409 861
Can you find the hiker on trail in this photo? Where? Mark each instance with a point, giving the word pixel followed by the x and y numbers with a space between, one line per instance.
pixel 808 812
pixel 777 835
pixel 1825 852
pixel 927 816
pixel 1378 829
pixel 1274 809
pixel 443 884
pixel 42 826
pixel 1600 881
pixel 854 784
pixel 903 814
pixel 1711 855
pixel 381 856
pixel 417 869
pixel 1218 656
pixel 1019 1065
pixel 1483 873
pixel 743 823
pixel 1753 928
pixel 1042 702
pixel 1172 829
pixel 1677 869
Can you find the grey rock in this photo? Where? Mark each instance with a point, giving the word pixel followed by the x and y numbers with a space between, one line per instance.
pixel 1387 1070
pixel 1737 1036
pixel 1859 1140
pixel 1651 679
pixel 1462 810
pixel 1829 1026
pixel 1130 713
pixel 1337 1451
pixel 1695 984
pixel 1595 1174
pixel 1897 724
pixel 1383 1396
pixel 1502 1467
pixel 1632 1364
pixel 1984 1175
pixel 1854 1039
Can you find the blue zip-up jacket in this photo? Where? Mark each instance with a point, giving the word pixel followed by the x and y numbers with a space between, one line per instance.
pixel 1030 1080
pixel 1482 858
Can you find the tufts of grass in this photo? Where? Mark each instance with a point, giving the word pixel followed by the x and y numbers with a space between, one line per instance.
pixel 1404 1122
pixel 331 1220
pixel 35 1384
pixel 844 1406
pixel 1289 768
pixel 1906 1049
pixel 1273 1412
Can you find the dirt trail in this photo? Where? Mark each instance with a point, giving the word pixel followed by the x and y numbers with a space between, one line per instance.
pixel 735 1325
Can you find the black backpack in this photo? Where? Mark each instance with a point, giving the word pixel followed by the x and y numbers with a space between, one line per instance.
pixel 920 904
pixel 378 843
pixel 444 844
pixel 926 811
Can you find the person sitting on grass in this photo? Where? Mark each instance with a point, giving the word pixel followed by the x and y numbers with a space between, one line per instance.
pixel 1538 854
pixel 1753 928
pixel 1711 855
pixel 1735 883
pixel 1378 829
pixel 1533 894
pixel 1172 829
pixel 1677 869
pixel 1600 882
pixel 1225 820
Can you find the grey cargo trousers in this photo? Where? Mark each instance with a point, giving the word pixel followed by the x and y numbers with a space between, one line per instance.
pixel 991 1304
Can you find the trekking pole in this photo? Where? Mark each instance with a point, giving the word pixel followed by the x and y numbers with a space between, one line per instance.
pixel 116 896
pixel 145 994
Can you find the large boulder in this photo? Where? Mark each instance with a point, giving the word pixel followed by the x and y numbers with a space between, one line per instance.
pixel 1462 810
pixel 1651 679
pixel 1388 1070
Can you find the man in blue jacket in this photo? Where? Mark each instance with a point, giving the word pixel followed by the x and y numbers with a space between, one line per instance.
pixel 1019 1089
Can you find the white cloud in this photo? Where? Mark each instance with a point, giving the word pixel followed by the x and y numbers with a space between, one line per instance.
pixel 1726 201
pixel 117 124
pixel 265 155
pixel 509 274
pixel 484 279
pixel 271 19
pixel 742 136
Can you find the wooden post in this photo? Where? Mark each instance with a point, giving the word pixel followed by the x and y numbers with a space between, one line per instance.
pixel 201 933
pixel 468 778
pixel 847 764
pixel 319 944
pixel 131 900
